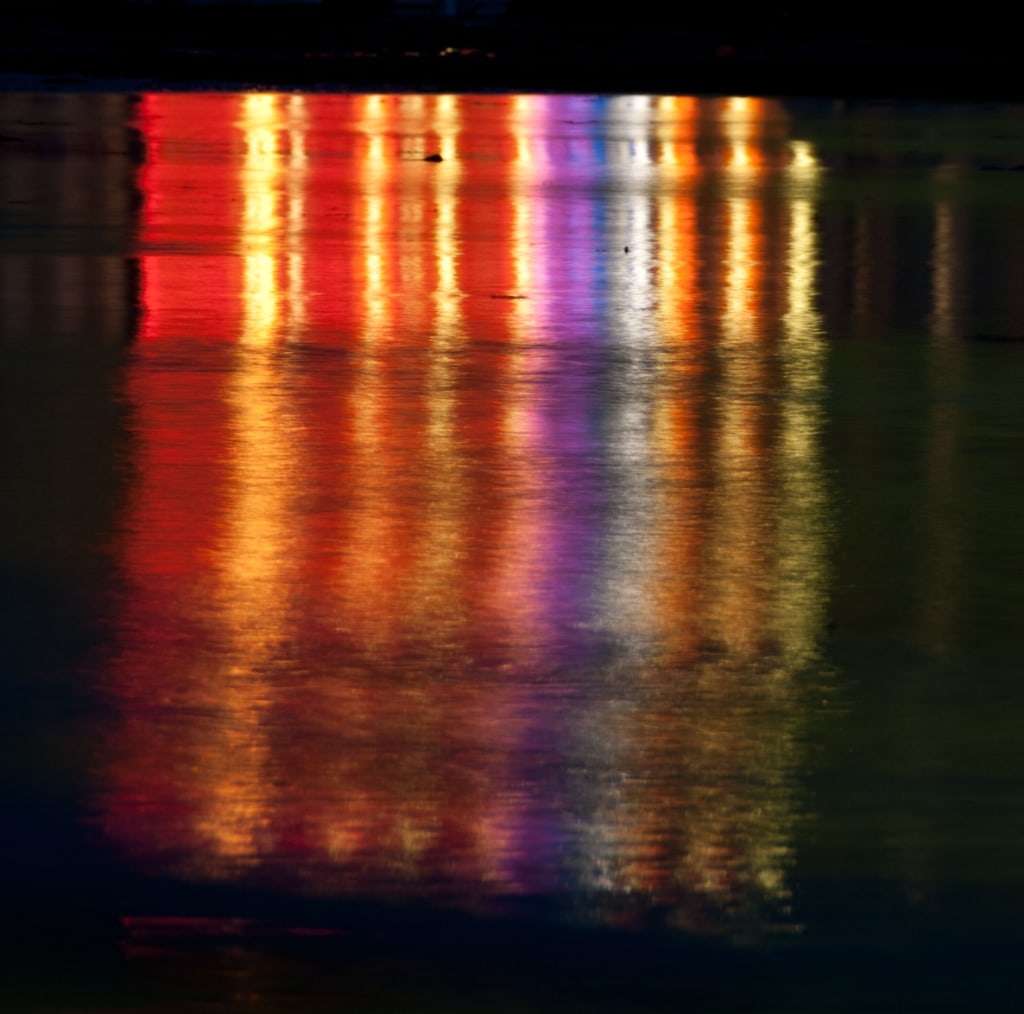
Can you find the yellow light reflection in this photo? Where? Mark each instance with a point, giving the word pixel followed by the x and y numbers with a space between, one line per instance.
pixel 802 263
pixel 261 221
pixel 741 119
pixel 378 166
pixel 257 550
pixel 742 270
pixel 802 537
pixel 442 549
pixel 805 163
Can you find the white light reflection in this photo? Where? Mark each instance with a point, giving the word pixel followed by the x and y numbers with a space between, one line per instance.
pixel 633 323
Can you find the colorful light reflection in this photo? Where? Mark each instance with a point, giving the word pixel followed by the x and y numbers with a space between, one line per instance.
pixel 468 556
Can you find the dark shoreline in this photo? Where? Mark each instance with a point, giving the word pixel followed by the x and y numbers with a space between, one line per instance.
pixel 316 48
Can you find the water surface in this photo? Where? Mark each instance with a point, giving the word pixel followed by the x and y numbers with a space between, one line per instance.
pixel 599 541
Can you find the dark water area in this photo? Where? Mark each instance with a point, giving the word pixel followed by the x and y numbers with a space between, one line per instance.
pixel 578 570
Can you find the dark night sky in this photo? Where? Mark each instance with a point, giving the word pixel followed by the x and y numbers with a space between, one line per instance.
pixel 540 44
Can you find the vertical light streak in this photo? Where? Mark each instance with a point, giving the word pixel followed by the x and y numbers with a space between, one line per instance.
pixel 260 183
pixel 445 185
pixel 519 526
pixel 945 373
pixel 522 426
pixel 802 581
pixel 741 511
pixel 297 185
pixel 257 560
pixel 791 566
pixel 376 182
pixel 741 124
pixel 632 326
pixel 944 274
pixel 440 579
pixel 678 379
pixel 531 356
pixel 675 148
pixel 652 837
pixel 742 271
pixel 367 576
